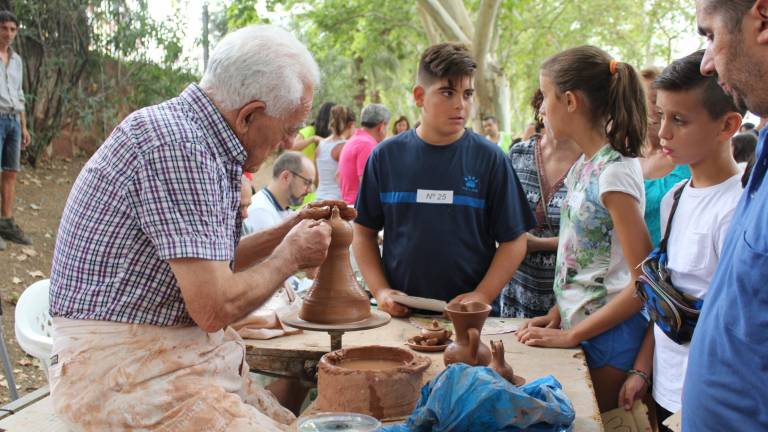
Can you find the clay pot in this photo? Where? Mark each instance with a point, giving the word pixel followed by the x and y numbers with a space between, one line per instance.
pixel 500 365
pixel 335 297
pixel 468 319
pixel 435 331
pixel 383 382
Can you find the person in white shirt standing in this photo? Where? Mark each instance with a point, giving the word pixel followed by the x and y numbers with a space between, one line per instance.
pixel 293 177
pixel 698 120
pixel 341 124
pixel 14 135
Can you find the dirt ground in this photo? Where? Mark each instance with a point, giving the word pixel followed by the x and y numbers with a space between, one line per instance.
pixel 40 197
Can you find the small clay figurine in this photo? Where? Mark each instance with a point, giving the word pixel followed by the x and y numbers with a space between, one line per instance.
pixel 436 331
pixel 500 365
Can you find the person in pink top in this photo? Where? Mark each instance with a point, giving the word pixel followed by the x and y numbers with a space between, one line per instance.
pixel 374 120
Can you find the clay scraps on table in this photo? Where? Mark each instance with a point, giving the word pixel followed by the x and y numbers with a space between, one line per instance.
pixel 495 326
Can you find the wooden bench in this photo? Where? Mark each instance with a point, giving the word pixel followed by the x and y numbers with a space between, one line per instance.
pixel 32 412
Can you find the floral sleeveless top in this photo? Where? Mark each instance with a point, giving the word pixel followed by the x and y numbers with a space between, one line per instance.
pixel 586 240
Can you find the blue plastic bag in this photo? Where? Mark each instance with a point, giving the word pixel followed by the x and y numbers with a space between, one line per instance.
pixel 465 398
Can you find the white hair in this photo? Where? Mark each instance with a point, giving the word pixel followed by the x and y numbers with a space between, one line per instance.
pixel 260 62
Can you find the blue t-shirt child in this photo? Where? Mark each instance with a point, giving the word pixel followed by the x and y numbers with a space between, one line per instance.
pixel 443 209
pixel 727 373
pixel 655 190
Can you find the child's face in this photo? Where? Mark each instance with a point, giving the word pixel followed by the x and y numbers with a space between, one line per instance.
pixel 554 110
pixel 446 105
pixel 687 131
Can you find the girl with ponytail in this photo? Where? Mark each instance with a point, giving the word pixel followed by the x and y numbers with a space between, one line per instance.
pixel 598 103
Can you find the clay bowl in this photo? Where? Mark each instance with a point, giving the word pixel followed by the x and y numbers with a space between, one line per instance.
pixel 416 346
pixel 383 382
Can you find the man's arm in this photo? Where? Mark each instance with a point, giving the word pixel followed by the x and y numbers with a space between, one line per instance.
pixel 25 137
pixel 216 297
pixel 508 257
pixel 366 249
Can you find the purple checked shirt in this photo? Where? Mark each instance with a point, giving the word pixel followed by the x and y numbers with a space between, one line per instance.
pixel 164 185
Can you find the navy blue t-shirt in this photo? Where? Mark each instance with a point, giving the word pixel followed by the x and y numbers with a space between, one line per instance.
pixel 443 208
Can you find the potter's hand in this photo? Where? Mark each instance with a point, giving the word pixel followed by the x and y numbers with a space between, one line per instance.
pixel 322 210
pixel 634 389
pixel 550 320
pixel 385 302
pixel 306 244
pixel 470 297
pixel 547 337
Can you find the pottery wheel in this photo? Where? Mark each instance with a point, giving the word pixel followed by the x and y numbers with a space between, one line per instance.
pixel 377 319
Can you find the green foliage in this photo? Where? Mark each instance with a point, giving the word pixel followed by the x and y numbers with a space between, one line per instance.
pixel 368 50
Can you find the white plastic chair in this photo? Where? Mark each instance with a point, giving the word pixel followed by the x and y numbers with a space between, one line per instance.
pixel 34 327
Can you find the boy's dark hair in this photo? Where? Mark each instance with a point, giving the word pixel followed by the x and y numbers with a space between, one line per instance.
pixel 732 11
pixel 613 91
pixel 744 146
pixel 491 118
pixel 6 16
pixel 445 60
pixel 684 75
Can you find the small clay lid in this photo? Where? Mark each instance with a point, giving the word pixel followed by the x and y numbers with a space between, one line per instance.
pixel 435 326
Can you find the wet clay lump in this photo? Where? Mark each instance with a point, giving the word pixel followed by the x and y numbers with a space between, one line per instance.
pixel 335 297
pixel 370 365
pixel 468 319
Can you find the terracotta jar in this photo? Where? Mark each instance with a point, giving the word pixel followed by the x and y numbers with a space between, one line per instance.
pixel 383 382
pixel 468 319
pixel 500 365
pixel 335 297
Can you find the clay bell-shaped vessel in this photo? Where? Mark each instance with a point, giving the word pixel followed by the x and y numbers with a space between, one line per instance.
pixel 468 319
pixel 335 297
pixel 500 365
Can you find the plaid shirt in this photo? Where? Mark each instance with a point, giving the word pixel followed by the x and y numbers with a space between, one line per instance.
pixel 164 185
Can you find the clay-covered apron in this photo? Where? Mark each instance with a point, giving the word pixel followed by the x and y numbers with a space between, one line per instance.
pixel 116 376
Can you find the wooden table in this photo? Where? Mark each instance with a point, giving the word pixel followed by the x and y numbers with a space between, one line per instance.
pixel 297 355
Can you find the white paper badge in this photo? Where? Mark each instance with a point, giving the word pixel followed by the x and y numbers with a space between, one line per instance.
pixel 427 196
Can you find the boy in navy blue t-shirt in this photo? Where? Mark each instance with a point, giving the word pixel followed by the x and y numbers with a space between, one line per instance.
pixel 444 195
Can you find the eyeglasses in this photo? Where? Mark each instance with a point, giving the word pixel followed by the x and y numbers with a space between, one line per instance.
pixel 307 182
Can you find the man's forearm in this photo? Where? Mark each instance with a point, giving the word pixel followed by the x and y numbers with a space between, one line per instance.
pixel 255 247
pixel 366 249
pixel 505 262
pixel 216 297
pixel 23 120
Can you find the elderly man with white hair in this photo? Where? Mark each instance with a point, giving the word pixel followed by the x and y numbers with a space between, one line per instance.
pixel 149 271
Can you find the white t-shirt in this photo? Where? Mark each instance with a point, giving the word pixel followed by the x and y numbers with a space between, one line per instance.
pixel 695 242
pixel 327 187
pixel 264 212
pixel 627 177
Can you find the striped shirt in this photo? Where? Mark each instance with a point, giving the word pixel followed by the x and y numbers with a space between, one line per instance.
pixel 165 184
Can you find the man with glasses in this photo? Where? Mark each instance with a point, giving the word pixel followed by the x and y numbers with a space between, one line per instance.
pixel 293 177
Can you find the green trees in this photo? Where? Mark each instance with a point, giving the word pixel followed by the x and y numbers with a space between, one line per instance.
pixel 368 50
pixel 80 57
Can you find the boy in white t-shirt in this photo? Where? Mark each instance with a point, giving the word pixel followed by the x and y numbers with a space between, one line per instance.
pixel 698 121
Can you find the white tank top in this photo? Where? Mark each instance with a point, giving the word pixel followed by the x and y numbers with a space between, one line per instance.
pixel 327 187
